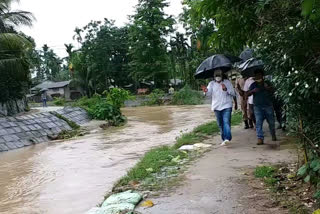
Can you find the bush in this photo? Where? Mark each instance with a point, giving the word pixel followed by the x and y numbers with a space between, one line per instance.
pixel 86 102
pixel 118 96
pixel 105 111
pixel 156 97
pixel 58 101
pixel 101 109
pixel 187 96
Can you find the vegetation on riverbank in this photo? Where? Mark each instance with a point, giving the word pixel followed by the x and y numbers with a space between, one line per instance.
pixel 205 131
pixel 163 163
pixel 284 188
pixel 67 134
pixel 106 106
pixel 187 96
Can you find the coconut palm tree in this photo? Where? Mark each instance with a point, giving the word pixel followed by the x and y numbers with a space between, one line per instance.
pixel 14 67
pixel 12 18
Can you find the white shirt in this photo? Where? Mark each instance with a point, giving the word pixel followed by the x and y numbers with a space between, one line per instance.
pixel 246 87
pixel 221 99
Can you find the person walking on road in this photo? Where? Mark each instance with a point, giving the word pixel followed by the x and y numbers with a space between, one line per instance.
pixel 263 107
pixel 243 101
pixel 247 111
pixel 222 93
pixel 44 99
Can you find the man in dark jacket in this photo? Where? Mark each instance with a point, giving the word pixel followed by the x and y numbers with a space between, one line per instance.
pixel 263 106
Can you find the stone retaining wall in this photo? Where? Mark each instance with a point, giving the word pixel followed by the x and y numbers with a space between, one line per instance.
pixel 77 115
pixel 13 107
pixel 17 132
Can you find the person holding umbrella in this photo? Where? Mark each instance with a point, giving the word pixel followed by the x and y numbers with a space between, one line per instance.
pixel 44 97
pixel 263 106
pixel 222 93
pixel 220 90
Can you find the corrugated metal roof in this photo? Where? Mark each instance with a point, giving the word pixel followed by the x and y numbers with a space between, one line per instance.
pixel 50 84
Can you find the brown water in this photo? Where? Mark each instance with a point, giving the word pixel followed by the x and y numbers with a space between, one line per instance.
pixel 73 176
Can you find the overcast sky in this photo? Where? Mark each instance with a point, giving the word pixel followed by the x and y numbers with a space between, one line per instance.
pixel 57 19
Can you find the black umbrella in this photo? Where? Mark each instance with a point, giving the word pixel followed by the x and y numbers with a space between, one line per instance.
pixel 248 67
pixel 218 61
pixel 246 54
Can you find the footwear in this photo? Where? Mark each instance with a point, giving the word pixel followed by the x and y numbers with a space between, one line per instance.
pixel 260 142
pixel 274 138
pixel 246 125
pixel 251 124
pixel 224 142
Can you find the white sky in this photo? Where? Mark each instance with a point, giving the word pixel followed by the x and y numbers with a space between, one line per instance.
pixel 57 19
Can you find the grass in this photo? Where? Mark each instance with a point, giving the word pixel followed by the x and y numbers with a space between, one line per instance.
pixel 72 124
pixel 67 134
pixel 264 172
pixel 164 157
pixel 281 186
pixel 152 162
pixel 203 131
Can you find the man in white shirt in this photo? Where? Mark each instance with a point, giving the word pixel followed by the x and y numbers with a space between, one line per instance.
pixel 222 93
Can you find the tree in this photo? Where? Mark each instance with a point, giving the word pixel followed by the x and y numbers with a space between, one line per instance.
pixel 83 75
pixel 10 19
pixel 104 53
pixel 285 35
pixel 51 63
pixel 150 26
pixel 14 66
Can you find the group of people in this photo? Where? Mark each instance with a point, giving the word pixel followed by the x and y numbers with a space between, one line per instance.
pixel 257 104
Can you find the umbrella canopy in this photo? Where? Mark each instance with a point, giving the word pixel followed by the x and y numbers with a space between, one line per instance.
pixel 218 61
pixel 246 54
pixel 44 89
pixel 248 67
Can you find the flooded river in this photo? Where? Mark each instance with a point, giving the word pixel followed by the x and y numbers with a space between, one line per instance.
pixel 72 176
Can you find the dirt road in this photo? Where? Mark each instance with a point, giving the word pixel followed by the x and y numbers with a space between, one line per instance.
pixel 213 183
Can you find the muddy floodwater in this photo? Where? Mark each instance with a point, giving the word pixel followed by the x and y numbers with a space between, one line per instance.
pixel 73 176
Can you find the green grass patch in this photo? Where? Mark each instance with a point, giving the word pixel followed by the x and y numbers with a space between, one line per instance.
pixel 236 118
pixel 67 134
pixel 264 172
pixel 72 124
pixel 152 162
pixel 187 139
pixel 210 128
pixel 205 130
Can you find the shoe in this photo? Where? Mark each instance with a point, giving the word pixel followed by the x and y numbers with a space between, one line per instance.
pixel 224 142
pixel 260 142
pixel 274 138
pixel 246 125
pixel 251 124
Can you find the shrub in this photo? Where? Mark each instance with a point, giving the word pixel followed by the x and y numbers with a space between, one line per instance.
pixel 58 101
pixel 155 98
pixel 86 102
pixel 101 109
pixel 118 96
pixel 105 111
pixel 187 96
